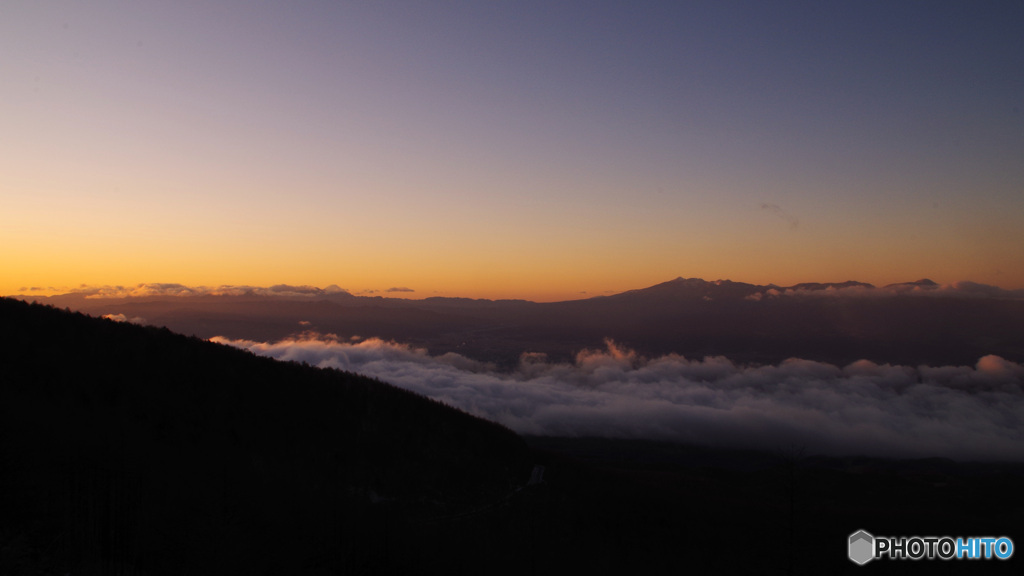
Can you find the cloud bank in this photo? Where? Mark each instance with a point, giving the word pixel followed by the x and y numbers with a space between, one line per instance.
pixel 123 318
pixel 963 289
pixel 962 412
pixel 181 290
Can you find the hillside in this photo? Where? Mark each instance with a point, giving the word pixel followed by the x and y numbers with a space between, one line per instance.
pixel 131 450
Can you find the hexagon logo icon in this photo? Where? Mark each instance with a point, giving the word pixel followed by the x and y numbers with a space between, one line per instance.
pixel 861 547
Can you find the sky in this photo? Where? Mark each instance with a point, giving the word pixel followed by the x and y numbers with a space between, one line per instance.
pixel 540 150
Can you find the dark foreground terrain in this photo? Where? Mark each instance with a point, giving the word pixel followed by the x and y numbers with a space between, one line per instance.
pixel 133 450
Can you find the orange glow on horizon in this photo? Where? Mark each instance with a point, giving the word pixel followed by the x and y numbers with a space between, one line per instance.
pixel 497 287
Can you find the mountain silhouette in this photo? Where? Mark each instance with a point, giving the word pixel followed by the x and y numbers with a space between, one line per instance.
pixel 912 323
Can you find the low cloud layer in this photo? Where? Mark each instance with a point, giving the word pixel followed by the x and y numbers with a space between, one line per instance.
pixel 123 318
pixel 962 412
pixel 955 290
pixel 181 290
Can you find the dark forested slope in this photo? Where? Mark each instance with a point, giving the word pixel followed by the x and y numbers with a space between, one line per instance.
pixel 132 450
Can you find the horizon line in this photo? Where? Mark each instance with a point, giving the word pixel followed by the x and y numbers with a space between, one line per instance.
pixel 178 290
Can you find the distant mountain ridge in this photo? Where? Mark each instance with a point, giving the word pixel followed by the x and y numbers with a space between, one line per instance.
pixel 918 322
pixel 87 298
pixel 834 285
pixel 693 288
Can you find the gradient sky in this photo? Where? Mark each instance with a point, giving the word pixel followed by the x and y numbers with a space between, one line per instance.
pixel 542 150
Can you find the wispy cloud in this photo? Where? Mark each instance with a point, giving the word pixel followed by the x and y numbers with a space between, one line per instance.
pixel 25 289
pixel 123 318
pixel 400 289
pixel 966 412
pixel 793 222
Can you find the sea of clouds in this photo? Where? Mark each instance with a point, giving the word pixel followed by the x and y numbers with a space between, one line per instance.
pixel 972 290
pixel 961 412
